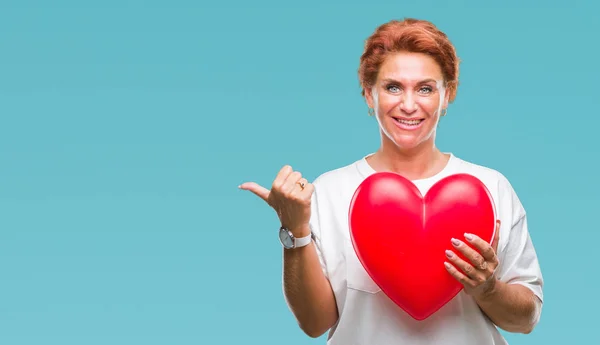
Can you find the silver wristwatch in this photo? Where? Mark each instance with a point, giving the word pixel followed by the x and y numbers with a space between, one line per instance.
pixel 288 241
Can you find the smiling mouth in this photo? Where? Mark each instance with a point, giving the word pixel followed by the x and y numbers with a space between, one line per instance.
pixel 409 123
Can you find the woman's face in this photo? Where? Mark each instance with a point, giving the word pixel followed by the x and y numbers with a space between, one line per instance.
pixel 408 97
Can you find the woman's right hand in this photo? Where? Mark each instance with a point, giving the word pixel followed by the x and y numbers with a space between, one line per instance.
pixel 290 196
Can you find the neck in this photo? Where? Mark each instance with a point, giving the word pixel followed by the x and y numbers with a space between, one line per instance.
pixel 420 162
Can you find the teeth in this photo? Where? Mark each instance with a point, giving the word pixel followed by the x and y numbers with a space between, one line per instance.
pixel 412 122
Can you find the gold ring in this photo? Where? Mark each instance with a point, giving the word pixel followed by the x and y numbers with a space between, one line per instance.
pixel 301 185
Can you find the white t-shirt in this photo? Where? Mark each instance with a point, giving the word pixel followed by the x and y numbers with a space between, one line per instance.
pixel 366 315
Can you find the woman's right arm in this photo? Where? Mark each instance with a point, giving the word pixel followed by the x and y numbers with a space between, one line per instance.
pixel 307 291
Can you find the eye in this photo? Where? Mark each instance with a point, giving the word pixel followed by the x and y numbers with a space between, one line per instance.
pixel 426 90
pixel 393 88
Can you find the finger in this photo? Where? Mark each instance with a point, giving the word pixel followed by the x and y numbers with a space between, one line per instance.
pixel 463 279
pixel 303 195
pixel 291 182
pixel 472 255
pixel 309 189
pixel 281 177
pixel 466 268
pixel 257 189
pixel 301 185
pixel 306 193
pixel 496 236
pixel 484 248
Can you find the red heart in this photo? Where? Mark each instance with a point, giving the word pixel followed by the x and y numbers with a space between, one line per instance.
pixel 400 237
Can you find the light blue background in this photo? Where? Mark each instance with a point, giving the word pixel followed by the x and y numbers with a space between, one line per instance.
pixel 126 127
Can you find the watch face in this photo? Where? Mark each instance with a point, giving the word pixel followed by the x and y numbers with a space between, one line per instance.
pixel 285 238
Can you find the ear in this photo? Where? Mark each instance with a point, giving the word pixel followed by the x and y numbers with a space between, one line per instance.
pixel 369 97
pixel 446 98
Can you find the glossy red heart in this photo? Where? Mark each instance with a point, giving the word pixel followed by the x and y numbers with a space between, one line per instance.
pixel 400 237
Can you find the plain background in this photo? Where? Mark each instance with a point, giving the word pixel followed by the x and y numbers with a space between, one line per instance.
pixel 126 127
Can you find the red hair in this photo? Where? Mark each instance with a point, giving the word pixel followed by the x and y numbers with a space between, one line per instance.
pixel 411 35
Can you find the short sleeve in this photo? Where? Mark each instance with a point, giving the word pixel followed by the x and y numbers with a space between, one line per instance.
pixel 518 258
pixel 315 228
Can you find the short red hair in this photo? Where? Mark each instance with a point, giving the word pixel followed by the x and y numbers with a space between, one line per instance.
pixel 412 35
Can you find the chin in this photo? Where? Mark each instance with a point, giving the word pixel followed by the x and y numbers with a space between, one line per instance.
pixel 409 141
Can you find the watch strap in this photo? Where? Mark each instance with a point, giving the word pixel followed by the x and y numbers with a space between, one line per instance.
pixel 303 241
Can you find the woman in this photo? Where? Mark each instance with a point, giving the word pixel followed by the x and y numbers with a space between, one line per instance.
pixel 409 75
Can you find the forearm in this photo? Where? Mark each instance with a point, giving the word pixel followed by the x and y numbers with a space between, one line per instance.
pixel 307 291
pixel 511 307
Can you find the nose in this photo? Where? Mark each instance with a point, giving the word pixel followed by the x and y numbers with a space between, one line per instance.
pixel 407 103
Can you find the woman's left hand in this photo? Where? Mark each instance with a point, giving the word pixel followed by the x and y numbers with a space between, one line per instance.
pixel 477 275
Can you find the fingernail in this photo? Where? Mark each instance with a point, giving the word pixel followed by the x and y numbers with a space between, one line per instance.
pixel 449 254
pixel 455 242
pixel 447 264
pixel 469 236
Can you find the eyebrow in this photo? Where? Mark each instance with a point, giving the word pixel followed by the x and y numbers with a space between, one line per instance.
pixel 426 80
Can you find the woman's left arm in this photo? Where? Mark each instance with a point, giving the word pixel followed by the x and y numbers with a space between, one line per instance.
pixel 505 294
pixel 512 307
